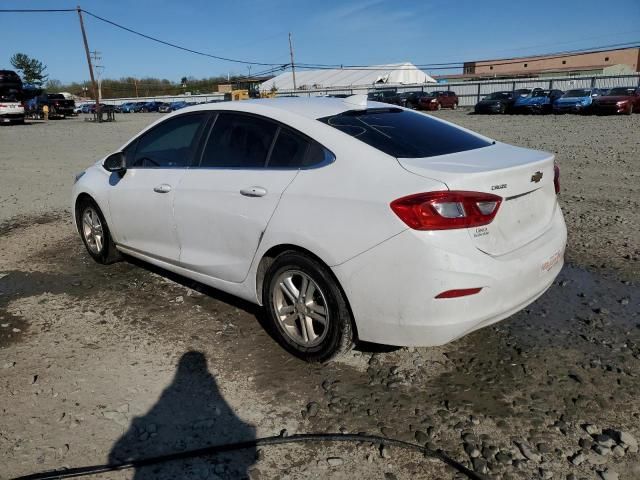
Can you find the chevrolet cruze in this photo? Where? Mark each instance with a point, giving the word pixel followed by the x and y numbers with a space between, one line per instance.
pixel 345 219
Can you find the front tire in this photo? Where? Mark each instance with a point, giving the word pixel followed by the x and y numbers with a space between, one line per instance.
pixel 306 308
pixel 95 233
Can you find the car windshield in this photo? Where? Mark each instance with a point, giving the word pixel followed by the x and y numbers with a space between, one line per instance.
pixel 577 93
pixel 498 96
pixel 55 96
pixel 404 134
pixel 540 93
pixel 621 91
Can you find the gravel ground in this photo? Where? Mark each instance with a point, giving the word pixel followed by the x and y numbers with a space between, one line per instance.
pixel 107 363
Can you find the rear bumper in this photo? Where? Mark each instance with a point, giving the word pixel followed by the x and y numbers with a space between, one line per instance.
pixel 12 117
pixel 487 108
pixel 392 287
pixel 611 108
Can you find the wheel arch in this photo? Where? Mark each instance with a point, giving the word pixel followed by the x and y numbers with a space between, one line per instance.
pixel 275 251
pixel 80 198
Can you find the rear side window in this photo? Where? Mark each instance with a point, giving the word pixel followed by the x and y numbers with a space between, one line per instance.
pixel 289 151
pixel 169 145
pixel 238 141
pixel 404 134
pixel 293 150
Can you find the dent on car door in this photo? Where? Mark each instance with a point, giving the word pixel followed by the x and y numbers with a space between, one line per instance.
pixel 141 200
pixel 222 209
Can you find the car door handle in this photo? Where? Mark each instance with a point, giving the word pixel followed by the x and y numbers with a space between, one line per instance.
pixel 163 188
pixel 253 192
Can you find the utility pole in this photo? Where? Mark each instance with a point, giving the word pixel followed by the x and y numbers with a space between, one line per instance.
pixel 95 56
pixel 135 83
pixel 293 65
pixel 86 50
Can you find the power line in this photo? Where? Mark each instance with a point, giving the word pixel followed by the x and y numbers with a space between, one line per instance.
pixel 451 65
pixel 37 10
pixel 233 60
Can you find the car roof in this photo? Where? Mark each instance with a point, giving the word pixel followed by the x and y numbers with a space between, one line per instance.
pixel 312 107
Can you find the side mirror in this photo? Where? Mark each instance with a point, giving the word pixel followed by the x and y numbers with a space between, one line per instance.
pixel 115 162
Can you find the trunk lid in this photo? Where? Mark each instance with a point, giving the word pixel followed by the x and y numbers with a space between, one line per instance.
pixel 521 176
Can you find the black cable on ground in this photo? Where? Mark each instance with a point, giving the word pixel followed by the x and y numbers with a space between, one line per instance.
pixel 259 442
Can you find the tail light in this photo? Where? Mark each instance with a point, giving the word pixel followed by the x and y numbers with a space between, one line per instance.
pixel 447 209
pixel 556 177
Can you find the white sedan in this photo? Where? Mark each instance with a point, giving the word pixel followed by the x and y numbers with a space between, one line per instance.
pixel 345 219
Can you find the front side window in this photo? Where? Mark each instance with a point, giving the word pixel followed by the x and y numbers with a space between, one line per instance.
pixel 238 141
pixel 169 145
pixel 404 134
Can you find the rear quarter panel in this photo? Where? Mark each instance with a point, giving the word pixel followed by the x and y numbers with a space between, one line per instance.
pixel 341 210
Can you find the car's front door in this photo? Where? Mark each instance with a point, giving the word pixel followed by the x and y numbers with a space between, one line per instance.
pixel 222 208
pixel 141 200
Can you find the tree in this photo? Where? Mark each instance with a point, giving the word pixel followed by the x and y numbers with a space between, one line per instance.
pixel 53 85
pixel 31 69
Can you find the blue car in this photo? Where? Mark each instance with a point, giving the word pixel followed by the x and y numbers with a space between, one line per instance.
pixel 127 107
pixel 577 101
pixel 151 106
pixel 538 101
pixel 172 107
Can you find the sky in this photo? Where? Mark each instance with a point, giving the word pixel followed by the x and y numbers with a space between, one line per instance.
pixel 324 31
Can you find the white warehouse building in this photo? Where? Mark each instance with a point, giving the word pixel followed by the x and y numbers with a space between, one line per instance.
pixel 392 74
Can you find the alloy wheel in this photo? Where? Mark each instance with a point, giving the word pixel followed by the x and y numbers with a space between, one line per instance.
pixel 300 308
pixel 92 230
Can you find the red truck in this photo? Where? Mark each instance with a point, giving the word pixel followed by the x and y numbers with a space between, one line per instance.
pixel 618 100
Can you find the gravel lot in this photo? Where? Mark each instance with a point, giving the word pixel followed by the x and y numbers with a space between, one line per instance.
pixel 107 363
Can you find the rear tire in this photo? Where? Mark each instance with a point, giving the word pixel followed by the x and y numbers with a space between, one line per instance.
pixel 630 111
pixel 455 106
pixel 95 233
pixel 306 308
pixel 439 106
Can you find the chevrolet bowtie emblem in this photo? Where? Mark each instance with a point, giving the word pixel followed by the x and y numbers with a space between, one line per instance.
pixel 536 177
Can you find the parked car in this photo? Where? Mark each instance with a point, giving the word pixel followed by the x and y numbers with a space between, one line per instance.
pixel 538 101
pixel 172 107
pixel 410 99
pixel 437 100
pixel 150 106
pixel 576 101
pixel 11 106
pixel 497 102
pixel 59 106
pixel 384 96
pixel 618 100
pixel 78 108
pixel 465 230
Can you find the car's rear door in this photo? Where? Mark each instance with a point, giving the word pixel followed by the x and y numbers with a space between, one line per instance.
pixel 222 208
pixel 141 201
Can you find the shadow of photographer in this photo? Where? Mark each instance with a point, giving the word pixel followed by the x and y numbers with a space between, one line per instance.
pixel 190 414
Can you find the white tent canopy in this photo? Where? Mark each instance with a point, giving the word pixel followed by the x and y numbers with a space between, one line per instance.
pixel 393 74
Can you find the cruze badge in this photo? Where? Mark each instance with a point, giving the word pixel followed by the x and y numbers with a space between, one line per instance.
pixel 536 177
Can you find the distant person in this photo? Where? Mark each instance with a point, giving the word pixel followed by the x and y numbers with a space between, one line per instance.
pixel 45 112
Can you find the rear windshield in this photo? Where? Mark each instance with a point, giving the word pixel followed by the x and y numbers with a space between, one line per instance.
pixel 404 134
pixel 621 91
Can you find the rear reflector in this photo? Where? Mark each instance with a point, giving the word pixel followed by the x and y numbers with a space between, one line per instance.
pixel 462 292
pixel 447 209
